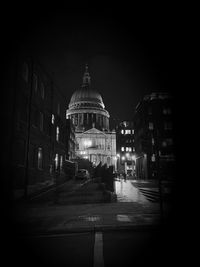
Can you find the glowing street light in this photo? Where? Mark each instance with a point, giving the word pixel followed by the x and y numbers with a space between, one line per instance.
pixel 134 157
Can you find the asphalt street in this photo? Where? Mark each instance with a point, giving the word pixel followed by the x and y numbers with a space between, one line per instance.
pixel 109 248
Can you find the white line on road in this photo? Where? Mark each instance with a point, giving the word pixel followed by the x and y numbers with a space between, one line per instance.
pixel 98 250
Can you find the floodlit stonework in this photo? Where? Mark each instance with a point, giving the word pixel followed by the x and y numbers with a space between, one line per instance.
pixel 94 140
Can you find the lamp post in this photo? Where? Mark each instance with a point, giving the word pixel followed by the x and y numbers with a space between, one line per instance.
pixel 134 166
pixel 118 158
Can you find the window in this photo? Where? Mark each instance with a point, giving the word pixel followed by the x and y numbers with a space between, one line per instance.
pixel 122 131
pixel 52 118
pixel 58 109
pixel 127 148
pixel 35 118
pixel 42 90
pixel 32 156
pixel 150 111
pixel 41 121
pixel 152 141
pixel 153 158
pixel 130 149
pixel 132 131
pixel 61 163
pixel 23 108
pixel 35 82
pixel 167 125
pixel 57 134
pixel 127 131
pixel 122 148
pixel 167 142
pixel 56 161
pixel 166 111
pixel 25 72
pixel 40 158
pixel 150 125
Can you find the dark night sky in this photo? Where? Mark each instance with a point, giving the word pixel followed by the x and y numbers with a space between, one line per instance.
pixel 128 55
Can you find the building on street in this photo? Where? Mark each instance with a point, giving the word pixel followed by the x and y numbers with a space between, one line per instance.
pixel 94 140
pixel 37 126
pixel 154 137
pixel 125 147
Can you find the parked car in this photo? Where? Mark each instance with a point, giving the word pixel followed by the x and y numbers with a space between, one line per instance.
pixel 82 174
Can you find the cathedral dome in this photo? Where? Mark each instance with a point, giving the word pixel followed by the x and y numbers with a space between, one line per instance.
pixel 86 107
pixel 85 95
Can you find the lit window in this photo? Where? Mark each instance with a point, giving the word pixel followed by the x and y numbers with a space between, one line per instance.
pixel 40 158
pixel 130 149
pixel 52 118
pixel 56 161
pixel 122 131
pixel 87 143
pixel 57 133
pixel 153 158
pixel 127 148
pixel 152 141
pixel 122 148
pixel 35 82
pixel 132 131
pixel 25 72
pixel 150 125
pixel 42 90
pixel 127 131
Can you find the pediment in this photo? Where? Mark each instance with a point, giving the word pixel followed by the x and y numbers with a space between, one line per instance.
pixel 94 131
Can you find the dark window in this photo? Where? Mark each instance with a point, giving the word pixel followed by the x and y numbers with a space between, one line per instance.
pixel 35 117
pixel 25 72
pixel 42 90
pixel 23 108
pixel 40 158
pixel 32 156
pixel 35 82
pixel 41 121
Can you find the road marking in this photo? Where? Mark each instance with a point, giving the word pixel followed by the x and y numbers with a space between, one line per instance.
pixel 123 218
pixel 98 250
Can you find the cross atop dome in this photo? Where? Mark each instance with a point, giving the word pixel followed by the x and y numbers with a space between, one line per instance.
pixel 86 77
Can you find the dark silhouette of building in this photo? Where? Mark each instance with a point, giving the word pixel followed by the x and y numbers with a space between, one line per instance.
pixel 125 147
pixel 154 137
pixel 37 127
pixel 70 139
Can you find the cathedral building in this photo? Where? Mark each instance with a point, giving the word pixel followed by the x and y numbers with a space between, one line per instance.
pixel 94 140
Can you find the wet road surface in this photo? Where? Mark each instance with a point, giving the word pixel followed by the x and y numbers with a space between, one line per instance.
pixel 127 192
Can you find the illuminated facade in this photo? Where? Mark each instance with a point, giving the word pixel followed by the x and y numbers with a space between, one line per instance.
pixel 125 147
pixel 93 138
